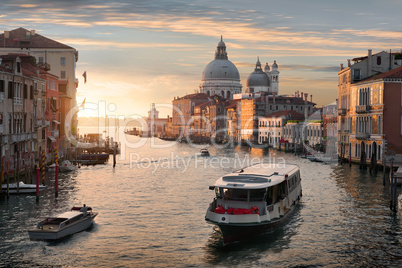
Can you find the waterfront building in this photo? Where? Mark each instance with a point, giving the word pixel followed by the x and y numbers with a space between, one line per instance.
pixel 22 116
pixel 273 129
pixel 154 126
pixel 363 68
pixel 52 115
pixel 183 111
pixel 220 76
pixel 376 116
pixel 254 107
pixel 330 128
pixel 57 59
pixel 209 120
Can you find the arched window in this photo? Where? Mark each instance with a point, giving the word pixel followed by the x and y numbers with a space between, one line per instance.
pixel 228 94
pixel 208 93
pixel 379 60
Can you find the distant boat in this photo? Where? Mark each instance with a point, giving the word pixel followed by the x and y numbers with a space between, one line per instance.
pixel 67 223
pixel 67 166
pixel 204 152
pixel 254 200
pixel 23 188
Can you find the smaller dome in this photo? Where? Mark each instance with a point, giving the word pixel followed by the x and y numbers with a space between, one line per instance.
pixel 257 78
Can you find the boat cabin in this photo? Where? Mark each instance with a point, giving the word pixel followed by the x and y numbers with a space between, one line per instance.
pixel 261 188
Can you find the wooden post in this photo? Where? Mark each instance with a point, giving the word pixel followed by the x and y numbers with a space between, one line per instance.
pixel 16 170
pixel 56 187
pixel 8 183
pixel 384 165
pixel 37 183
pixel 114 155
pixel 392 203
pixel 43 167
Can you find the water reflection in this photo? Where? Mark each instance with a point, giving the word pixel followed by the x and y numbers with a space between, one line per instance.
pixel 253 250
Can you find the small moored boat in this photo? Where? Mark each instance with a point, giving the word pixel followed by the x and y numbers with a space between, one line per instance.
pixel 67 223
pixel 22 188
pixel 204 152
pixel 254 200
pixel 67 166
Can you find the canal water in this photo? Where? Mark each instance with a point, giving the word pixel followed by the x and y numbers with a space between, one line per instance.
pixel 152 206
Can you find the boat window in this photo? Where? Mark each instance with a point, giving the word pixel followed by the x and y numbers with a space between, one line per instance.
pixel 235 194
pixel 257 194
pixel 269 196
pixel 281 191
pixel 218 192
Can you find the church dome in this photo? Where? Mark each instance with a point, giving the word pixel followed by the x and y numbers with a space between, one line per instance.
pixel 258 78
pixel 221 67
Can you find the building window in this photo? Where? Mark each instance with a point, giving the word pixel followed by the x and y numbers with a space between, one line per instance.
pixel 52 85
pixel 41 60
pixel 63 61
pixel 356 74
pixel 379 60
pixel 63 74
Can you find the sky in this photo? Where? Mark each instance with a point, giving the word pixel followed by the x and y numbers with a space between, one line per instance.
pixel 138 52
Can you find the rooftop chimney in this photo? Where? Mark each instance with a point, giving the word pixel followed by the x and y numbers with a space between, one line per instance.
pixel 341 66
pixel 369 63
pixel 32 32
pixel 348 62
pixel 311 98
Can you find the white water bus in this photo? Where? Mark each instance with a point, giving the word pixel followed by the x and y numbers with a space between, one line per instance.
pixel 254 200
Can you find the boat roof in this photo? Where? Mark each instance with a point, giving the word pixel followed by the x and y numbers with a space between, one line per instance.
pixel 69 214
pixel 258 176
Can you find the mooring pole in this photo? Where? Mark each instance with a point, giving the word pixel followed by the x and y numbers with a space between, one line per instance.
pixel 56 187
pixel 8 182
pixel 43 167
pixel 114 155
pixel 37 183
pixel 391 205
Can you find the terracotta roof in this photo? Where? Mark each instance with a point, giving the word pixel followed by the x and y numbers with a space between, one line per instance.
pixel 199 96
pixel 292 114
pixel 394 73
pixel 24 38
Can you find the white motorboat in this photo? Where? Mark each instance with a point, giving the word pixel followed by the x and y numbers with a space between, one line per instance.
pixel 65 224
pixel 254 200
pixel 204 152
pixel 22 188
pixel 397 175
pixel 67 166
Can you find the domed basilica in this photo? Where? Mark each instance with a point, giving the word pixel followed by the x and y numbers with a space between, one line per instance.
pixel 221 77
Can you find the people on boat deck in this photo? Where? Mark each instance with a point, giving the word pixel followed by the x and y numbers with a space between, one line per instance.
pixel 84 209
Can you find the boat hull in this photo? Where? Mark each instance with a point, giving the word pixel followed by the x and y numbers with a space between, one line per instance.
pixel 233 232
pixel 79 226
pixel 23 188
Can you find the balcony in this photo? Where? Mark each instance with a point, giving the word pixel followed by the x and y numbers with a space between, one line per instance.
pixel 19 137
pixel 44 65
pixel 360 109
pixel 362 136
pixel 342 111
